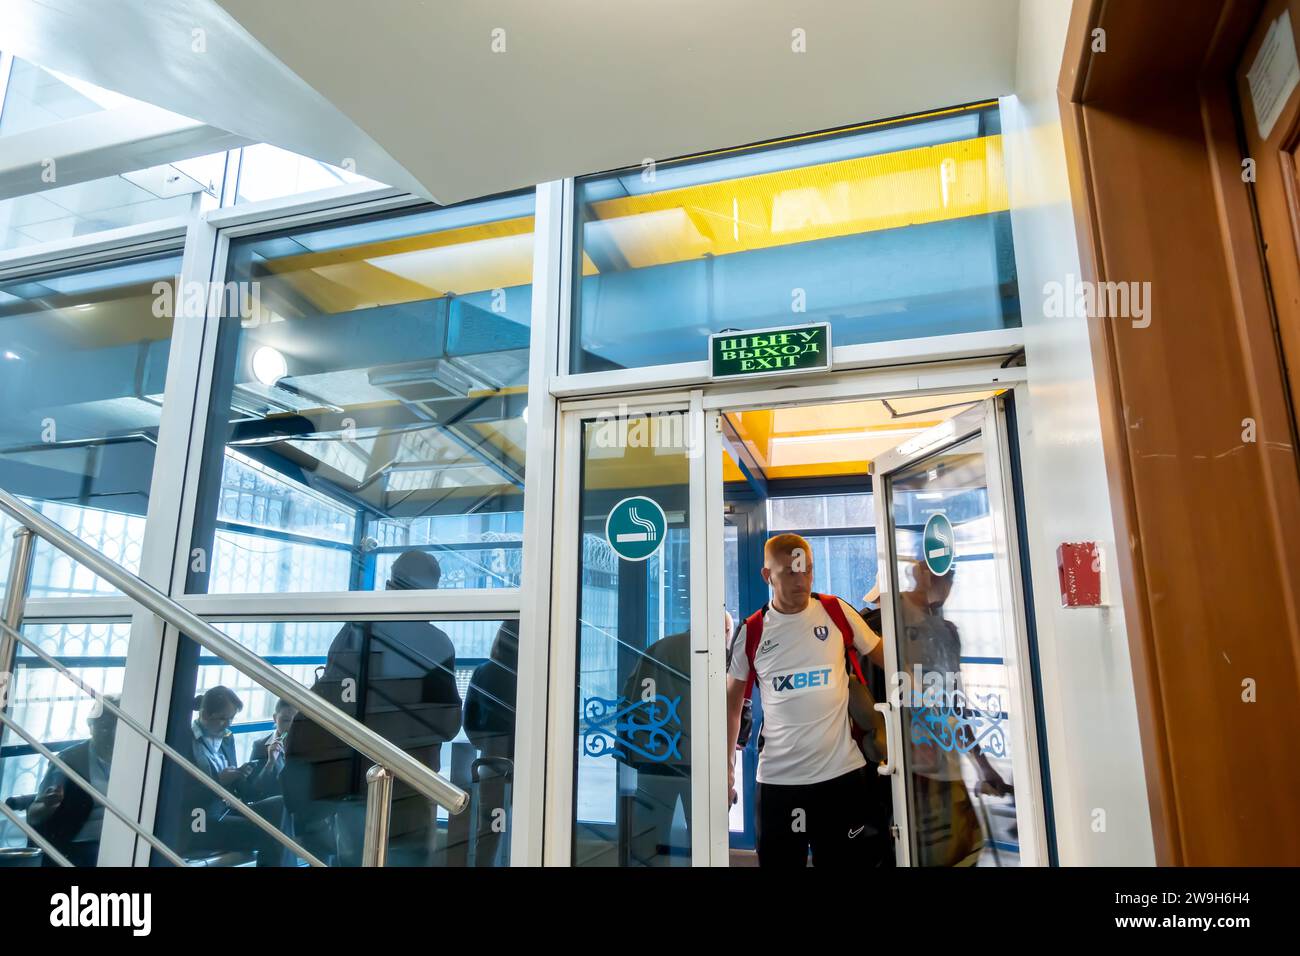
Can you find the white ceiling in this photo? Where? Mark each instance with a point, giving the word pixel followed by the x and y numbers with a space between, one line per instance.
pixel 414 93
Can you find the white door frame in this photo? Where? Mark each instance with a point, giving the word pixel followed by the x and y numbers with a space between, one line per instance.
pixel 561 755
pixel 709 836
pixel 987 419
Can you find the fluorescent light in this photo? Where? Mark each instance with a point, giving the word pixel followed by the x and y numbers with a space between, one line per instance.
pixel 842 436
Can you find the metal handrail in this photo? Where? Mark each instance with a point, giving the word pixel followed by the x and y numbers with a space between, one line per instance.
pixel 35 837
pixel 188 766
pixel 90 790
pixel 347 728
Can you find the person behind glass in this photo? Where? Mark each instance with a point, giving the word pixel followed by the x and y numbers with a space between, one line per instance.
pixel 398 678
pixel 63 812
pixel 267 758
pixel 946 829
pixel 211 825
pixel 812 784
pixel 663 780
pixel 490 726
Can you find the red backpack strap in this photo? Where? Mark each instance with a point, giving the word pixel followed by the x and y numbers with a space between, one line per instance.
pixel 832 605
pixel 753 634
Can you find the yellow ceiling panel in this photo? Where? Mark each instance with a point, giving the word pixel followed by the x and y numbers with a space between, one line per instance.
pixel 835 439
pixel 847 197
pixel 493 255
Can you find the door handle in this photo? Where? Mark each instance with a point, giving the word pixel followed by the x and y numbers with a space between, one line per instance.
pixel 887 768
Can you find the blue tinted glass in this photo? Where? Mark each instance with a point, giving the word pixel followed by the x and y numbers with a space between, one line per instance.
pixel 369 406
pixel 83 361
pixel 891 232
pixel 444 691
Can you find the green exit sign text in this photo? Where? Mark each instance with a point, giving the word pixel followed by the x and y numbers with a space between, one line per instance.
pixel 803 348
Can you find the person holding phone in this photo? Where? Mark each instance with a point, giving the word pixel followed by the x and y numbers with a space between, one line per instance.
pixel 210 825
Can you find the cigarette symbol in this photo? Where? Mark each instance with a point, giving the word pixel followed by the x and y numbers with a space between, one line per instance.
pixel 945 544
pixel 649 534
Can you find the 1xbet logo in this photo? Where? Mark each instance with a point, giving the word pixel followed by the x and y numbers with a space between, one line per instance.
pixel 799 680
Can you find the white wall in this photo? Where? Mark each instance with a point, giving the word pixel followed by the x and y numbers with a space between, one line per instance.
pixel 1094 750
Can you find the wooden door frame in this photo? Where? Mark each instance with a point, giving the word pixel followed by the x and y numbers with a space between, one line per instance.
pixel 1130 115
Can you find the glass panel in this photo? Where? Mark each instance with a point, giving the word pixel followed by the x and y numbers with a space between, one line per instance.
pixel 38 97
pixel 64 719
pixel 956 700
pixel 268 172
pixel 891 231
pixel 112 202
pixel 815 512
pixel 83 361
pixel 368 412
pixel 844 565
pixel 632 799
pixel 444 691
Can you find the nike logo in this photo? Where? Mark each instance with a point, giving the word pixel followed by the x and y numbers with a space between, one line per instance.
pixel 853 833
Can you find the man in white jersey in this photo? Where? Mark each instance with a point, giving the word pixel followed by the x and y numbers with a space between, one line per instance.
pixel 812 788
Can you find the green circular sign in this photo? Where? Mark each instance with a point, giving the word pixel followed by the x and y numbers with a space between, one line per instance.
pixel 635 528
pixel 939 544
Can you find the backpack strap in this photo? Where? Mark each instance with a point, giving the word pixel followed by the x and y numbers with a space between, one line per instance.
pixel 836 612
pixel 753 634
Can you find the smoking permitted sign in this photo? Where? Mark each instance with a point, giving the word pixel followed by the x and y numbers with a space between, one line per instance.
pixel 940 544
pixel 635 528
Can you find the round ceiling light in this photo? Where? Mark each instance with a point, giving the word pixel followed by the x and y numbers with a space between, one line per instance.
pixel 269 365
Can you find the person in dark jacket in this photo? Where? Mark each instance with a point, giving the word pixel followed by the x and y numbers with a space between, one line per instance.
pixel 663 774
pixel 399 679
pixel 211 826
pixel 63 812
pixel 267 757
pixel 490 726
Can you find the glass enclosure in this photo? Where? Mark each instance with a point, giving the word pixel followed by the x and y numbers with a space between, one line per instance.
pixel 369 406
pixel 956 700
pixel 53 710
pixel 889 231
pixel 83 364
pixel 632 795
pixel 442 690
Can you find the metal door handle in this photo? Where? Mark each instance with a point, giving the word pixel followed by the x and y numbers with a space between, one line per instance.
pixel 887 768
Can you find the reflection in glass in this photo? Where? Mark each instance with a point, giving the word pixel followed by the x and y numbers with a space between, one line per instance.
pixel 370 400
pixel 83 361
pixel 65 719
pixel 444 691
pixel 269 172
pixel 36 97
pixel 890 231
pixel 632 795
pixel 956 701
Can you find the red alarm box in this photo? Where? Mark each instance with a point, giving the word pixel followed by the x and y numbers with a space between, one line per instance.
pixel 1079 565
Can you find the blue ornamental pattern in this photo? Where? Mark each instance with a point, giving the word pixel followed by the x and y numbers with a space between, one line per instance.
pixel 958 726
pixel 613 727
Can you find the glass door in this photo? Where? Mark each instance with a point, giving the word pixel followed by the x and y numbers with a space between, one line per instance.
pixel 626 538
pixel 961 713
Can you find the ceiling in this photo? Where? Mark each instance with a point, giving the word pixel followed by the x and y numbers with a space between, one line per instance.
pixel 459 100
pixel 830 440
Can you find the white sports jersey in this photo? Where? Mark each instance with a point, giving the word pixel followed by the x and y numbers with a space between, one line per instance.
pixel 804 689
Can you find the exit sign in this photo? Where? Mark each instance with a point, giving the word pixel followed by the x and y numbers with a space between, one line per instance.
pixel 800 348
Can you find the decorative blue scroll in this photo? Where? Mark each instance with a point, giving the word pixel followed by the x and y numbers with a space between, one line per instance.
pixel 958 726
pixel 612 727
